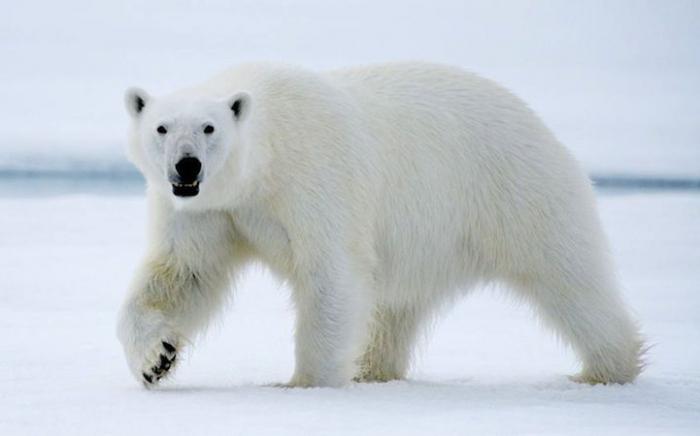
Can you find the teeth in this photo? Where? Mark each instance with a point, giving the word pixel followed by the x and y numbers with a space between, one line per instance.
pixel 186 185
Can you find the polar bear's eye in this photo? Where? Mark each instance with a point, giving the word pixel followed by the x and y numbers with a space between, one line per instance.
pixel 162 130
pixel 208 129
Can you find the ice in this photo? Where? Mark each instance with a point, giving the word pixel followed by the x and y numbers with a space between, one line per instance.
pixel 488 367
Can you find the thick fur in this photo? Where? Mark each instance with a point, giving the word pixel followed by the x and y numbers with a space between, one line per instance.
pixel 379 194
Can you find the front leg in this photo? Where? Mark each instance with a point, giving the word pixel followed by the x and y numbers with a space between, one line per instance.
pixel 176 290
pixel 150 340
pixel 332 314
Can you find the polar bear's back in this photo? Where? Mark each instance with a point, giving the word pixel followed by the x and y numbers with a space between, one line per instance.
pixel 412 103
pixel 439 119
pixel 462 155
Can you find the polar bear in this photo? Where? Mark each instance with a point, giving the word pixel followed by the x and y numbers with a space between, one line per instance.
pixel 378 194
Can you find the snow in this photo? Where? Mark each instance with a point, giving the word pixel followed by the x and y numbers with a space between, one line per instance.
pixel 618 82
pixel 488 368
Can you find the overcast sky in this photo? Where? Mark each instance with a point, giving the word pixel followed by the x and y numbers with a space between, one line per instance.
pixel 618 81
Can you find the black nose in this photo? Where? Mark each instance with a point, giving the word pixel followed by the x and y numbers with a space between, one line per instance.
pixel 188 169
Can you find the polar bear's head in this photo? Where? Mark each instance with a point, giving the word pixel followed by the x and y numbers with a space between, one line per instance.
pixel 180 143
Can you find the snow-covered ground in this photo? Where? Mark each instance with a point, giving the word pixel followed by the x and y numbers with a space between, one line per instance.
pixel 488 368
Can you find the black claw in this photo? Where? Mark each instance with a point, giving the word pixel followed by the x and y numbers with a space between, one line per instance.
pixel 168 347
pixel 147 377
pixel 164 362
pixel 156 371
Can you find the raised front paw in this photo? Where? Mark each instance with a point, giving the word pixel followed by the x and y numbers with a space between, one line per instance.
pixel 159 363
pixel 150 344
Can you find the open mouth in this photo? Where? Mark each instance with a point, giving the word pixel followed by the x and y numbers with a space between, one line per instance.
pixel 185 189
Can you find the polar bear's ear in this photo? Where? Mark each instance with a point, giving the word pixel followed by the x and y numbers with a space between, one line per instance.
pixel 239 105
pixel 135 100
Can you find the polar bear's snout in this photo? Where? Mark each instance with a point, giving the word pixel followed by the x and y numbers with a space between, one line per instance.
pixel 186 182
pixel 188 169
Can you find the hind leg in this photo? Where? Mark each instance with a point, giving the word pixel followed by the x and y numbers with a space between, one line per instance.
pixel 393 334
pixel 589 315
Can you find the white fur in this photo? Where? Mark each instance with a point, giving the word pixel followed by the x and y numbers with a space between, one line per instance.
pixel 378 194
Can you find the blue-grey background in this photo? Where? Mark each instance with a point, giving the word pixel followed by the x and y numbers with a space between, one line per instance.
pixel 617 81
